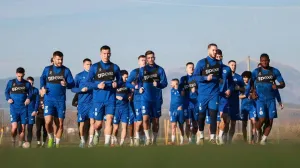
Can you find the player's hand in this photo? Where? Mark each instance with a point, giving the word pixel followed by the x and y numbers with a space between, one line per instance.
pixel 63 82
pixel 193 90
pixel 220 80
pixel 85 89
pixel 227 93
pixel 141 90
pixel 101 85
pixel 136 87
pixel 154 83
pixel 27 101
pixel 43 106
pixel 119 97
pixel 209 77
pixel 43 91
pixel 281 106
pixel 130 98
pixel 34 113
pixel 10 101
pixel 237 87
pixel 253 95
pixel 182 93
pixel 179 108
pixel 274 86
pixel 114 85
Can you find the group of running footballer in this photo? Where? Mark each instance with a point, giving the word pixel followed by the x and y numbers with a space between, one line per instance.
pixel 107 97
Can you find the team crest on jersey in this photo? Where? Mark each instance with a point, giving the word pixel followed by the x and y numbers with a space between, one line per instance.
pixel 259 73
pixel 14 84
pixel 235 79
pixel 50 73
pixel 224 71
pixel 100 69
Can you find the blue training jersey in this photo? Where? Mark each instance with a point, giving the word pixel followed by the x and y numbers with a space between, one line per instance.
pixel 50 80
pixel 176 99
pixel 246 103
pixel 18 91
pixel 147 75
pixel 238 81
pixel 35 100
pixel 124 92
pixel 205 67
pixel 134 78
pixel 263 81
pixel 186 84
pixel 107 73
pixel 81 82
pixel 226 82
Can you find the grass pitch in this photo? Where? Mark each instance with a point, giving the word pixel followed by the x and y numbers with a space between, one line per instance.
pixel 236 155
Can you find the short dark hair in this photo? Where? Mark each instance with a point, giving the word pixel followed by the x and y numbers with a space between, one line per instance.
pixel 105 47
pixel 58 53
pixel 30 78
pixel 51 60
pixel 86 59
pixel 175 79
pixel 141 56
pixel 149 52
pixel 264 55
pixel 219 52
pixel 231 61
pixel 123 72
pixel 189 63
pixel 211 44
pixel 247 74
pixel 20 70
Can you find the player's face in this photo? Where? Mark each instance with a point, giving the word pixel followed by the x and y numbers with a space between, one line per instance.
pixel 58 61
pixel 142 62
pixel 264 62
pixel 20 76
pixel 174 84
pixel 212 51
pixel 190 69
pixel 87 65
pixel 31 82
pixel 124 77
pixel 246 80
pixel 150 59
pixel 105 55
pixel 219 57
pixel 232 66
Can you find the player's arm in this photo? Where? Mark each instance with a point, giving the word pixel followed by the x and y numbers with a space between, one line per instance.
pixel 91 84
pixel 227 77
pixel 37 100
pixel 278 97
pixel 29 90
pixel 76 88
pixel 181 85
pixel 75 100
pixel 130 79
pixel 43 78
pixel 141 76
pixel 70 79
pixel 119 79
pixel 7 90
pixel 279 79
pixel 163 83
pixel 197 73
pixel 240 85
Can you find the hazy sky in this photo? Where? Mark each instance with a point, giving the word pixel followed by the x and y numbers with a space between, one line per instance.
pixel 177 30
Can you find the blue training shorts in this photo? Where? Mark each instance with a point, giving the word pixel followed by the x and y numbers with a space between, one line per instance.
pixel 121 115
pixel 151 108
pixel 84 112
pixel 177 116
pixel 208 102
pixel 30 118
pixel 18 114
pixel 55 108
pixel 102 109
pixel 266 109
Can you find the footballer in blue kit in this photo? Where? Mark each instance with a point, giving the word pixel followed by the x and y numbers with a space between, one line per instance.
pixel 54 81
pixel 234 101
pixel 248 109
pixel 104 78
pixel 84 107
pixel 18 93
pixel 133 83
pixel 176 110
pixel 153 79
pixel 188 84
pixel 209 72
pixel 123 95
pixel 265 78
pixel 32 109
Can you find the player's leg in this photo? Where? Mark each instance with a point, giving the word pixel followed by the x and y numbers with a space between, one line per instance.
pixel 86 128
pixel 45 134
pixel 60 108
pixel 14 125
pixel 181 119
pixel 187 120
pixel 207 122
pixel 146 111
pixel 195 119
pixel 155 121
pixel 261 113
pixel 138 123
pixel 173 120
pixel 253 117
pixel 38 125
pixel 29 133
pixel 213 113
pixel 109 113
pixel 131 125
pixel 124 121
pixel 116 122
pixel 201 123
pixel 271 114
pixel 99 113
pixel 231 130
pixel 245 115
pixel 82 116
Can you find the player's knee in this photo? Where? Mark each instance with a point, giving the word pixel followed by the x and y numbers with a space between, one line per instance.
pixel 61 126
pixel 202 116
